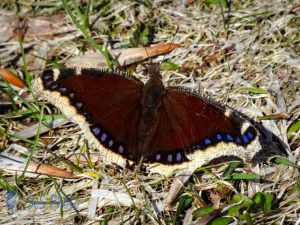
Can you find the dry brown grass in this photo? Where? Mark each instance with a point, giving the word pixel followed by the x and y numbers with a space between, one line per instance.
pixel 260 48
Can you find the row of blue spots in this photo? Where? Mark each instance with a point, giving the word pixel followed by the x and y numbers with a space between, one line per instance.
pixel 50 84
pixel 177 157
pixel 63 90
pixel 104 139
pixel 246 138
pixel 48 81
pixel 170 158
pixel 78 105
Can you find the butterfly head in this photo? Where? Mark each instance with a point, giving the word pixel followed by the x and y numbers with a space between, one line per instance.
pixel 152 70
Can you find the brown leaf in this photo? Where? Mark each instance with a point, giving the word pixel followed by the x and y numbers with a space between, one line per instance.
pixel 14 163
pixel 124 56
pixel 11 78
pixel 50 170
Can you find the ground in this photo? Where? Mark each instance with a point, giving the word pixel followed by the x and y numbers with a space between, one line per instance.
pixel 245 54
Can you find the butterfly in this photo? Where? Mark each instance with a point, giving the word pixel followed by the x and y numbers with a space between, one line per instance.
pixel 166 128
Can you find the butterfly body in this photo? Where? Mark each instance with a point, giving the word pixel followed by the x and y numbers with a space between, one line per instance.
pixel 151 103
pixel 167 128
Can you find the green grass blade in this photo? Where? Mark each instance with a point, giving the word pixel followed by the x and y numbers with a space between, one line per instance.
pixel 255 90
pixel 285 161
pixel 86 35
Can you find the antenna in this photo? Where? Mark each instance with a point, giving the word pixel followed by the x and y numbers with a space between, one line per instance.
pixel 172 41
pixel 141 39
pixel 147 53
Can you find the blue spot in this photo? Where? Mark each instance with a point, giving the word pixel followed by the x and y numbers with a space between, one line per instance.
pixel 47 77
pixel 54 86
pixel 238 140
pixel 96 130
pixel 158 157
pixel 79 105
pixel 219 137
pixel 48 83
pixel 178 157
pixel 207 141
pixel 250 135
pixel 170 158
pixel 71 94
pixel 196 146
pixel 103 137
pixel 110 143
pixel 121 149
pixel 229 138
pixel 245 139
pixel 62 89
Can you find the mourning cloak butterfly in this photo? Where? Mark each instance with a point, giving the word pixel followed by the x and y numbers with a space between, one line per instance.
pixel 128 121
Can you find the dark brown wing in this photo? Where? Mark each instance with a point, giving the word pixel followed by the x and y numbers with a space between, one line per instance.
pixel 190 122
pixel 109 100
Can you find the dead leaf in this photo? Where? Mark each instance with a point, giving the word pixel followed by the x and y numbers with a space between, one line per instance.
pixel 12 163
pixel 11 78
pixel 124 56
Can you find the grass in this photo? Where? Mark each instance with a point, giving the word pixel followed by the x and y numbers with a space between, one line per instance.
pixel 247 57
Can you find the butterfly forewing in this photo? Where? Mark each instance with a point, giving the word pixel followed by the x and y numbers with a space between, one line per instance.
pixel 189 122
pixel 110 102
